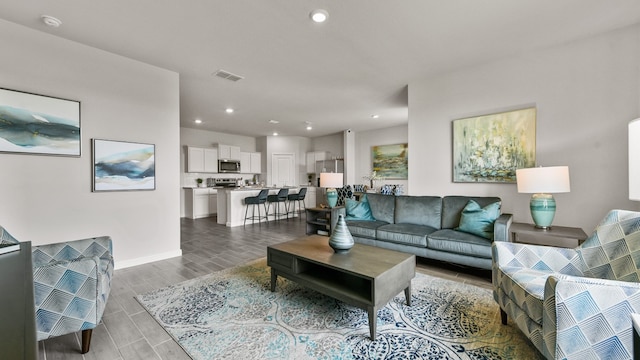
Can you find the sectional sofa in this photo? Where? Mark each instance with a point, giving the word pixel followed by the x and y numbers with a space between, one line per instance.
pixel 427 226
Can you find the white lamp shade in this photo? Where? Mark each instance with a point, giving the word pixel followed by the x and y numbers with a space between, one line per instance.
pixel 331 180
pixel 548 180
pixel 634 160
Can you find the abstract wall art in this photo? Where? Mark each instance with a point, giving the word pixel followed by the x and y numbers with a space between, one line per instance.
pixel 39 124
pixel 489 148
pixel 391 161
pixel 121 166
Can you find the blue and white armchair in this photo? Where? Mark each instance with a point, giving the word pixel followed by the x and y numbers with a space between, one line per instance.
pixel 574 303
pixel 72 281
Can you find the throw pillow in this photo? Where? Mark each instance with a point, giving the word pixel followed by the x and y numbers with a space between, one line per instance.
pixel 479 221
pixel 358 210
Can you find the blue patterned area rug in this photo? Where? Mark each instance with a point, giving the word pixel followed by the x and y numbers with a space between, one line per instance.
pixel 232 314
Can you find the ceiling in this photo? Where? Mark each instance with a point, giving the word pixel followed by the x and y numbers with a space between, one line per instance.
pixel 334 75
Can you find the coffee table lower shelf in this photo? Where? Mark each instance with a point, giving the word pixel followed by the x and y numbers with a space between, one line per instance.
pixel 360 278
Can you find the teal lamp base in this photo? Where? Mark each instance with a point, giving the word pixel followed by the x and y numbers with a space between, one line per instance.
pixel 332 197
pixel 543 210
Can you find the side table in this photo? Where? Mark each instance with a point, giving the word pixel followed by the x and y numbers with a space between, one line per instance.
pixel 320 221
pixel 558 232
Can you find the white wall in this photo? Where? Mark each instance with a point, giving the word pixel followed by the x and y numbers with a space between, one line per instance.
pixel 296 145
pixel 365 140
pixel 333 143
pixel 586 92
pixel 48 199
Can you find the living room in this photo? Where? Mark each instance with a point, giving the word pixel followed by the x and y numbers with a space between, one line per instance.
pixel 585 90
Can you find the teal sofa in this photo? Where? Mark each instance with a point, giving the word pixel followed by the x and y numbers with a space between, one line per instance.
pixel 426 226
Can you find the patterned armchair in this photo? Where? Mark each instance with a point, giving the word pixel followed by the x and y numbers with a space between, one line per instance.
pixel 72 281
pixel 574 303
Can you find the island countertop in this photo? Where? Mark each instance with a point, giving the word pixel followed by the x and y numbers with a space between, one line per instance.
pixel 231 206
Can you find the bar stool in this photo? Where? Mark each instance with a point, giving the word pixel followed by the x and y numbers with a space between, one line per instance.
pixel 277 199
pixel 254 201
pixel 296 198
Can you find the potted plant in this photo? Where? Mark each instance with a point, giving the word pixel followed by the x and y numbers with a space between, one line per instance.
pixel 200 183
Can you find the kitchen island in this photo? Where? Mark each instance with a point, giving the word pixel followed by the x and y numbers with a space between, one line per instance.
pixel 231 207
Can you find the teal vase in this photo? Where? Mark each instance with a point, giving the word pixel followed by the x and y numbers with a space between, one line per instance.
pixel 341 240
pixel 543 210
pixel 332 197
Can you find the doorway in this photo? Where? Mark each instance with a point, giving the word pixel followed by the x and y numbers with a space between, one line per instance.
pixel 283 170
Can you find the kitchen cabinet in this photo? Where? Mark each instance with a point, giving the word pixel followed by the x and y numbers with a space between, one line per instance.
pixel 312 157
pixel 245 163
pixel 228 152
pixel 202 159
pixel 256 163
pixel 201 202
pixel 250 162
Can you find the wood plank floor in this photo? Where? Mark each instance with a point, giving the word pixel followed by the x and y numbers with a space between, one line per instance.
pixel 128 332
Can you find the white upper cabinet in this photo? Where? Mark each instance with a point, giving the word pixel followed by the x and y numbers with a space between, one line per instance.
pixel 256 163
pixel 229 152
pixel 211 160
pixel 314 156
pixel 250 163
pixel 245 162
pixel 202 160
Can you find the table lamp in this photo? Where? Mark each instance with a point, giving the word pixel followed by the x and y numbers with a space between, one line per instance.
pixel 542 182
pixel 331 181
pixel 634 160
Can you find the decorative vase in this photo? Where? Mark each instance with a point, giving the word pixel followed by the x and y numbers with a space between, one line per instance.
pixel 332 197
pixel 341 240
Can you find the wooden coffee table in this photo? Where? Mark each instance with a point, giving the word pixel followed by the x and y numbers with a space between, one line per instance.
pixel 367 277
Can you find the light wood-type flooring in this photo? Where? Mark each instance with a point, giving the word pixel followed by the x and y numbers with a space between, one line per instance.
pixel 128 332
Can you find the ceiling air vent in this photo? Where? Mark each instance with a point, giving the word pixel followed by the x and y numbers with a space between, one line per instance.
pixel 227 75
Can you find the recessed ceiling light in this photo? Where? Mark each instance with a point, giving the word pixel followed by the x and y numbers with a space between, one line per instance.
pixel 275 134
pixel 375 116
pixel 319 15
pixel 274 122
pixel 51 21
pixel 309 127
pixel 229 110
pixel 198 121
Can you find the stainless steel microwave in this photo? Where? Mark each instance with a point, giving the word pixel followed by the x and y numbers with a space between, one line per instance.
pixel 228 166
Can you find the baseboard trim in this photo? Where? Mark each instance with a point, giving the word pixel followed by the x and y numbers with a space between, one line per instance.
pixel 146 259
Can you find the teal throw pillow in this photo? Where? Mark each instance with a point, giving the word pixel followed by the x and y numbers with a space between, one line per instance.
pixel 358 210
pixel 479 221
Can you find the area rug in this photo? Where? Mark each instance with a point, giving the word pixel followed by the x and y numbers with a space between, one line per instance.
pixel 232 314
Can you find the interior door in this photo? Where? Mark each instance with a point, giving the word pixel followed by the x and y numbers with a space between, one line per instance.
pixel 283 169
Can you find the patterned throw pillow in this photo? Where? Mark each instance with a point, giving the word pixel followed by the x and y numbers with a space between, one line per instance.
pixel 358 210
pixel 479 221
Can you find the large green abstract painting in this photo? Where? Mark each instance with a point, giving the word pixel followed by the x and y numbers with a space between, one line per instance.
pixel 490 148
pixel 391 161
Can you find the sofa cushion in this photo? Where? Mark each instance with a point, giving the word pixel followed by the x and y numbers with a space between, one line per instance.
pixel 364 228
pixel 358 210
pixel 419 210
pixel 407 234
pixel 452 207
pixel 459 242
pixel 479 220
pixel 383 207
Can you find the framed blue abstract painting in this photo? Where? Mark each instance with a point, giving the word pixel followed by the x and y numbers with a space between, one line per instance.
pixel 39 124
pixel 122 166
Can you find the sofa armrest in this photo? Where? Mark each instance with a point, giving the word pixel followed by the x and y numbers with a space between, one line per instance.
pixel 589 318
pixel 501 227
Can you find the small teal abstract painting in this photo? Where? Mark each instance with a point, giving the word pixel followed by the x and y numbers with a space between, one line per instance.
pixel 489 148
pixel 120 166
pixel 38 124
pixel 391 161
